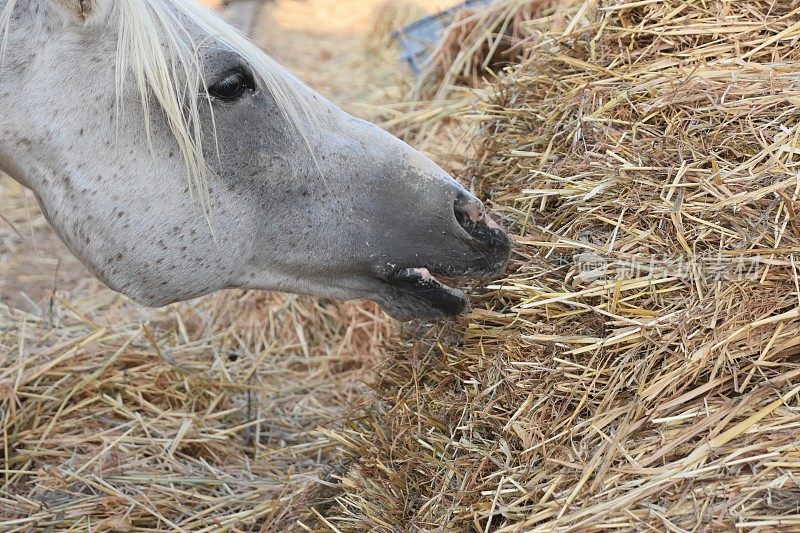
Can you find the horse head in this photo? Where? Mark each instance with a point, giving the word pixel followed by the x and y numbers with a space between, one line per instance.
pixel 175 158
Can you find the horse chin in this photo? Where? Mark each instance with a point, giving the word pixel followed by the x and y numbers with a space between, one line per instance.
pixel 406 308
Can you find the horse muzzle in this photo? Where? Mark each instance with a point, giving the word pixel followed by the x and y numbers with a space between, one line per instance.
pixel 477 248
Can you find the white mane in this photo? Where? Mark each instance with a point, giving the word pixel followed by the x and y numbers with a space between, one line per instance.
pixel 161 57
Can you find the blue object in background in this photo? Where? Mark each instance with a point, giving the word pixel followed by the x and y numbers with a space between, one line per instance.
pixel 418 40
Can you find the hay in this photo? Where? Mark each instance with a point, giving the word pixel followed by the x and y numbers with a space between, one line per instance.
pixel 479 44
pixel 201 417
pixel 639 369
pixel 477 48
pixel 388 18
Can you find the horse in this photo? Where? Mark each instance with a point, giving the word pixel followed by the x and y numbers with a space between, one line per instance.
pixel 175 158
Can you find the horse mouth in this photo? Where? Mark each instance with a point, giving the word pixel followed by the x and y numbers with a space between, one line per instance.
pixel 429 290
pixel 434 294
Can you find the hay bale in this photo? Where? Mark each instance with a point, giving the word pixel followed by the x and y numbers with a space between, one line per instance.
pixel 390 17
pixel 480 43
pixel 475 50
pixel 483 41
pixel 639 369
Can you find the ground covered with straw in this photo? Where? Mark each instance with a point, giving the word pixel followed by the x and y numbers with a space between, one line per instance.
pixel 201 417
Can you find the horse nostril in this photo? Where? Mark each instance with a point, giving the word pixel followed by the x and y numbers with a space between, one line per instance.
pixel 469 211
pixel 487 238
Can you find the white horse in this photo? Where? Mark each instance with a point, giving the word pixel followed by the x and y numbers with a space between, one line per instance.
pixel 174 158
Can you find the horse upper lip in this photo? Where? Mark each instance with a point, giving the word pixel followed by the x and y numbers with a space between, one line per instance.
pixel 491 262
pixel 444 276
pixel 421 274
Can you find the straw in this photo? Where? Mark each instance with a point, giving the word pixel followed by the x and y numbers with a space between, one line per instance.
pixel 201 417
pixel 639 367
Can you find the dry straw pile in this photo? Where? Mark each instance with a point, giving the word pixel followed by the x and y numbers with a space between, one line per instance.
pixel 481 40
pixel 389 17
pixel 640 368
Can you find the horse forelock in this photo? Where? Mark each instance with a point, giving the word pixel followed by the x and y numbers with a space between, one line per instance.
pixel 159 51
pixel 81 8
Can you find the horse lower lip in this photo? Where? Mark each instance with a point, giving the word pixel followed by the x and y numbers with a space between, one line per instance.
pixel 427 285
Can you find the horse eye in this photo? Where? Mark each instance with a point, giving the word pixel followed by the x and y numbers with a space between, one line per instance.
pixel 232 86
